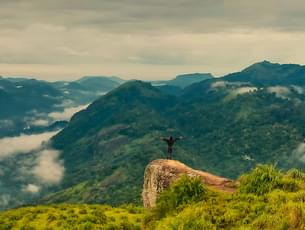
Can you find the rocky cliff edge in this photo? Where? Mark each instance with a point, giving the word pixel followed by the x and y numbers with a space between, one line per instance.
pixel 160 174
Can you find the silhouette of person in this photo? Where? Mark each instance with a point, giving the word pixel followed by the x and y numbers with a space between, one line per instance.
pixel 170 142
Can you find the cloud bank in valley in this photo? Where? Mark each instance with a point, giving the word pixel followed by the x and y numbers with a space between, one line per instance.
pixel 66 114
pixel 5 199
pixel 30 174
pixel 31 188
pixel 39 122
pixel 280 91
pixel 23 143
pixel 49 168
pixel 44 120
pixel 299 153
pixel 243 90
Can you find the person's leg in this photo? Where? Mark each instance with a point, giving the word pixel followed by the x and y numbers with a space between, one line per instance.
pixel 170 153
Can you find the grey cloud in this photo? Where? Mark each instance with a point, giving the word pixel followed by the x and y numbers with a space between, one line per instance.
pixel 68 38
pixel 299 153
pixel 67 113
pixel 31 188
pixel 38 119
pixel 49 168
pixel 243 90
pixel 5 199
pixel 22 143
pixel 172 15
pixel 280 91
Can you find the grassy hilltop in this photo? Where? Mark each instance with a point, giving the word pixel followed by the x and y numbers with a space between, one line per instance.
pixel 266 199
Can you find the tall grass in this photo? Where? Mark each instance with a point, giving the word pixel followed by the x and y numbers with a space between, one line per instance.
pixel 184 191
pixel 266 178
pixel 267 200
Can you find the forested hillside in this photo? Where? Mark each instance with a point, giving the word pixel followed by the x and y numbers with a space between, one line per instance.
pixel 228 127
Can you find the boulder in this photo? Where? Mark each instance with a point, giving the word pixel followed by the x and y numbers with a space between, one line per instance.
pixel 160 174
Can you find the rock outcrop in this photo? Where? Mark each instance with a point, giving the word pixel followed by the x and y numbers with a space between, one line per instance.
pixel 160 174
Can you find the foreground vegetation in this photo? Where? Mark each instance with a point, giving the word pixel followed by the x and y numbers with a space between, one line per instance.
pixel 68 216
pixel 266 199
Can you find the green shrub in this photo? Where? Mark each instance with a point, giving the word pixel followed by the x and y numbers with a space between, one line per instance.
pixel 132 208
pixel 82 211
pixel 87 226
pixel 295 174
pixel 188 219
pixel 51 217
pixel 266 178
pixel 263 179
pixel 111 227
pixel 184 191
pixel 289 185
pixel 268 199
pixel 187 190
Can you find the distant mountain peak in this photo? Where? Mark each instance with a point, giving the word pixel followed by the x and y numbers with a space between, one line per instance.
pixel 134 85
pixel 100 78
pixel 261 65
pixel 267 65
pixel 268 73
pixel 194 75
pixel 185 80
pixel 267 62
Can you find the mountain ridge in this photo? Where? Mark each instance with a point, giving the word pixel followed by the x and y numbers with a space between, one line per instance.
pixel 106 147
pixel 216 128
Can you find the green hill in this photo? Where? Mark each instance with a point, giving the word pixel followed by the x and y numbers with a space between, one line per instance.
pixel 228 129
pixel 17 98
pixel 25 100
pixel 185 80
pixel 267 73
pixel 229 126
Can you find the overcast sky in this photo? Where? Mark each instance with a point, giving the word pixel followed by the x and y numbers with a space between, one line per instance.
pixel 146 39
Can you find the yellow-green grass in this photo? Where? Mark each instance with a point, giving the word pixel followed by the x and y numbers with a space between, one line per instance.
pixel 72 216
pixel 267 199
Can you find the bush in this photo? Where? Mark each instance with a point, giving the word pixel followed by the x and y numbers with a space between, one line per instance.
pixel 289 185
pixel 82 211
pixel 263 179
pixel 184 191
pixel 268 199
pixel 295 174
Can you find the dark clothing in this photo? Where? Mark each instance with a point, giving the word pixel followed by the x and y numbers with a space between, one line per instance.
pixel 170 142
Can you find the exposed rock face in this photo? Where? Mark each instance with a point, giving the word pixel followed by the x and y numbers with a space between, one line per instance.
pixel 159 174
